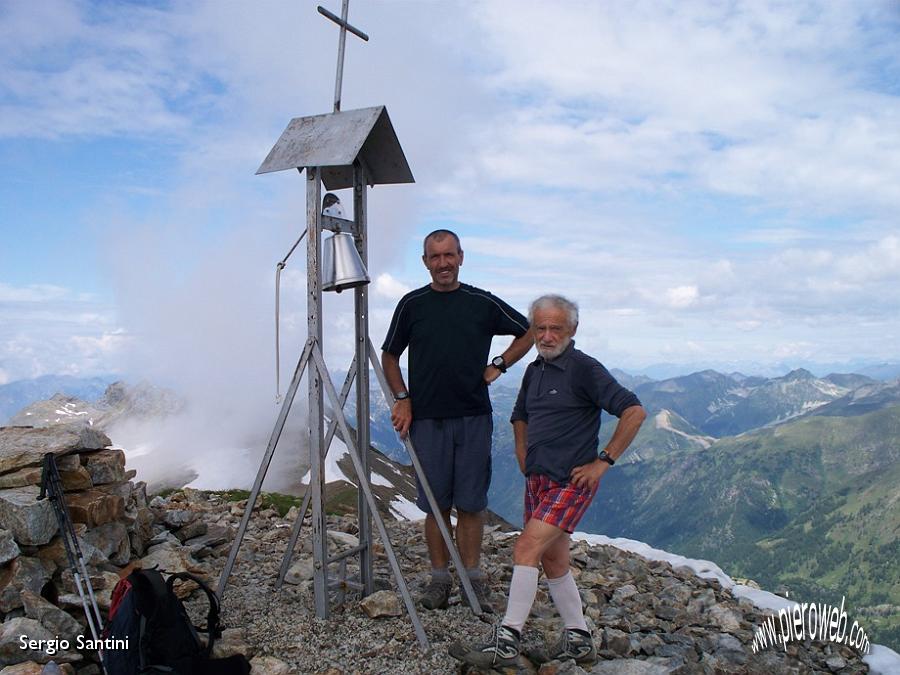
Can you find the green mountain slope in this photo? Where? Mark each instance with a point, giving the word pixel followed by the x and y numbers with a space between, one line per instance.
pixel 812 506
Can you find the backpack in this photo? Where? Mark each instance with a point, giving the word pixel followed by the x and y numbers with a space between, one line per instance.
pixel 156 633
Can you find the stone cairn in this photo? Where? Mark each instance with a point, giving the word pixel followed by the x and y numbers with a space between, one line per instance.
pixel 646 617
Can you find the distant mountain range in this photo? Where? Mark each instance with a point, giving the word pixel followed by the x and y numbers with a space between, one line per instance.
pixel 792 481
pixel 16 395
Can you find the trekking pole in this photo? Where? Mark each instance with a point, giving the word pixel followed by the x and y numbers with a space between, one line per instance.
pixel 51 486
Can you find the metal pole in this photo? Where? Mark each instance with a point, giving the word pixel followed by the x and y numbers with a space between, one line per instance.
pixel 298 523
pixel 370 498
pixel 361 308
pixel 429 495
pixel 316 441
pixel 342 41
pixel 264 467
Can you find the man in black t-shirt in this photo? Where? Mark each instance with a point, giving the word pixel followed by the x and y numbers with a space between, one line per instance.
pixel 448 327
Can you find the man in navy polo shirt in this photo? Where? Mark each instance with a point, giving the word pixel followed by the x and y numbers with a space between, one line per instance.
pixel 448 327
pixel 555 421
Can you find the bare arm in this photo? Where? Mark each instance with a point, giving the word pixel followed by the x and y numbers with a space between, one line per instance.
pixel 401 411
pixel 626 429
pixel 516 350
pixel 589 475
pixel 520 432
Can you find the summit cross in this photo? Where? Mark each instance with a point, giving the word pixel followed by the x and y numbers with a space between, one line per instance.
pixel 342 40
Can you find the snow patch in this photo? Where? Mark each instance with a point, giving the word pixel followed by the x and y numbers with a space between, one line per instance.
pixel 405 509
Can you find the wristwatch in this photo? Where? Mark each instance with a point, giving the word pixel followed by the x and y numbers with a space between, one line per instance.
pixel 606 458
pixel 403 395
pixel 499 363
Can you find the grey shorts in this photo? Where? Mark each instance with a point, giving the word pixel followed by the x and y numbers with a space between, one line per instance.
pixel 456 457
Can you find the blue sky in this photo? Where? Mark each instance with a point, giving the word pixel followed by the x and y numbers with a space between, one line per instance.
pixel 715 183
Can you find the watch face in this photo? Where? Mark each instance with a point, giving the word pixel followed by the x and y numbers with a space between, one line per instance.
pixel 498 361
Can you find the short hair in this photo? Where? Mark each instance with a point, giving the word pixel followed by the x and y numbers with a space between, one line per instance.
pixel 557 302
pixel 440 234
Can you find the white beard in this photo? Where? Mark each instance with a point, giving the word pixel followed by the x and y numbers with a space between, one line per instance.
pixel 550 353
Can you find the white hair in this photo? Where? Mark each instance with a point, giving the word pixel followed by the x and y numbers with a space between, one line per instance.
pixel 556 302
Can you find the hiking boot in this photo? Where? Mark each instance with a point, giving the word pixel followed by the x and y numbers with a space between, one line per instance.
pixel 436 594
pixel 574 644
pixel 483 594
pixel 501 650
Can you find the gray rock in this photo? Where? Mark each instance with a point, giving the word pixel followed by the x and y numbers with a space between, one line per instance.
pixel 31 520
pixel 11 651
pixel 381 603
pixel 617 641
pixel 725 618
pixel 111 539
pixel 170 558
pixel 230 643
pixel 21 446
pixel 628 667
pixel 176 518
pixel 623 593
pixel 24 573
pixel 835 663
pixel 105 466
pixel 650 643
pixel 300 571
pixel 8 547
pixel 51 617
pixel 192 530
pixel 342 538
pixel 269 665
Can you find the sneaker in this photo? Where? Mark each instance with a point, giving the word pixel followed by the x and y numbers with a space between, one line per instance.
pixel 574 644
pixel 483 595
pixel 436 595
pixel 501 650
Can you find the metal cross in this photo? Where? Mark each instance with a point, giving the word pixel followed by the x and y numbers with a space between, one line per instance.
pixel 342 22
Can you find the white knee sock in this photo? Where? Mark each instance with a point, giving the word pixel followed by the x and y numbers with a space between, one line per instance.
pixel 522 590
pixel 567 600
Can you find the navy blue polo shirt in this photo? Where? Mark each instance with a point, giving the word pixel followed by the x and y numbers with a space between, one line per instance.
pixel 561 401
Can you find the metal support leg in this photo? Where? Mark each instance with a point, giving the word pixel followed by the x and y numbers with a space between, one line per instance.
pixel 370 498
pixel 361 309
pixel 264 467
pixel 429 496
pixel 298 523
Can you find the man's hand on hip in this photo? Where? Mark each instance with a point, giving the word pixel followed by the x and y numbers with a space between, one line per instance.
pixel 589 475
pixel 401 416
pixel 491 373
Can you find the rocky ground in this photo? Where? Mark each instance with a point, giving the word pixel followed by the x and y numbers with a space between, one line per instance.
pixel 646 616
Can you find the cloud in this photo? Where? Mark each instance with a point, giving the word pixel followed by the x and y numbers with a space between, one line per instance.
pixel 390 288
pixel 681 297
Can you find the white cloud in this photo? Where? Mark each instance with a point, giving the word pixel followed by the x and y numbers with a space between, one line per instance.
pixel 388 287
pixel 681 297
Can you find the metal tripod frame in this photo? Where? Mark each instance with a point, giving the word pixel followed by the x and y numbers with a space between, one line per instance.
pixel 358 445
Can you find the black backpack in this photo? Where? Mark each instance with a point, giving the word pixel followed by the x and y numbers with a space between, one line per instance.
pixel 156 633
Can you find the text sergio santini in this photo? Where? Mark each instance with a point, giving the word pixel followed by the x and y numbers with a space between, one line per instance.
pixel 50 647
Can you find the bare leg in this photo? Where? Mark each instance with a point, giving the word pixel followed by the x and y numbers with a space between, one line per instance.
pixel 555 560
pixel 437 549
pixel 537 539
pixel 469 532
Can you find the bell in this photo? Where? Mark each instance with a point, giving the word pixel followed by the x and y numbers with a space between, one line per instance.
pixel 341 265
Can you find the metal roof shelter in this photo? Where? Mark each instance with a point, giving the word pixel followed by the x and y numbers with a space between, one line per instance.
pixel 342 149
pixel 333 142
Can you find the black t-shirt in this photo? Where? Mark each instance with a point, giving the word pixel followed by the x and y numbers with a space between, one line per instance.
pixel 449 338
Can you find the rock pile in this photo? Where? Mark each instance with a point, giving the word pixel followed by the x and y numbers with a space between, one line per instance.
pixel 38 596
pixel 646 617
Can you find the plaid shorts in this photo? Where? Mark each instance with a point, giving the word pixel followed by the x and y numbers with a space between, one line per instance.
pixel 559 504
